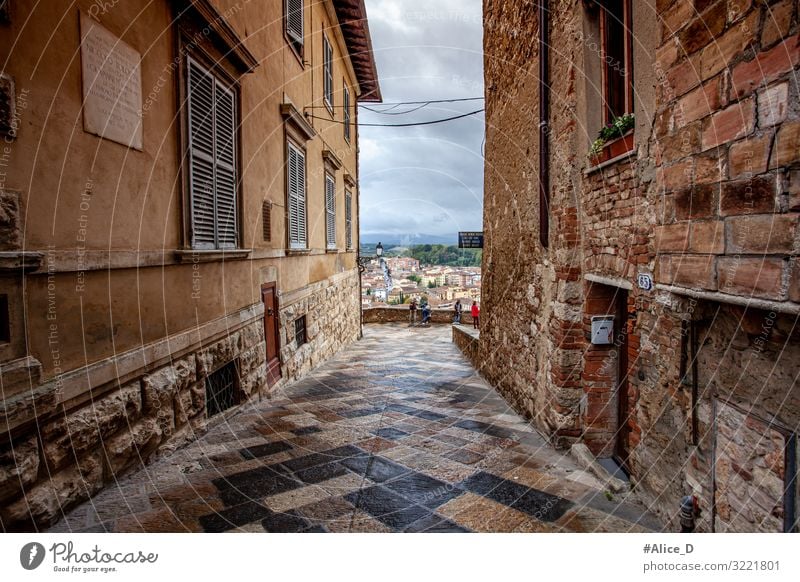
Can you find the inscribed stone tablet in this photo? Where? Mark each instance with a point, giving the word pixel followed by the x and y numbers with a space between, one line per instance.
pixel 112 85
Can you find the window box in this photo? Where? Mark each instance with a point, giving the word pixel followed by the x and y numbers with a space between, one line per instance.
pixel 613 149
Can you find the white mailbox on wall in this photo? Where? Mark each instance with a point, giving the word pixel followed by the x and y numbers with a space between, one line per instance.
pixel 602 330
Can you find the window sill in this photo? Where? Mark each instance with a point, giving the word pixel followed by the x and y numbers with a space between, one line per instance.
pixel 211 255
pixel 333 251
pixel 297 252
pixel 21 260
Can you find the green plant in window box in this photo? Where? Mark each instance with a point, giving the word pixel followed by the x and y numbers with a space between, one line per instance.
pixel 611 131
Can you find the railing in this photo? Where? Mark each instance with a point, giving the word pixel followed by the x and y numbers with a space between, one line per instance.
pixel 401 313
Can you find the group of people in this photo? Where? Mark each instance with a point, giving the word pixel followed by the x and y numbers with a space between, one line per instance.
pixel 458 309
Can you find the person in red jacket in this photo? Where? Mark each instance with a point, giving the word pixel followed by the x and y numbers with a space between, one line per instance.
pixel 476 312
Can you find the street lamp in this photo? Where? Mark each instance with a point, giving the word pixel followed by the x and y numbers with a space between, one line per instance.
pixel 363 261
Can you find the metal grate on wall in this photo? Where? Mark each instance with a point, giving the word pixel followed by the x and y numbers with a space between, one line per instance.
pixel 266 219
pixel 300 330
pixel 222 389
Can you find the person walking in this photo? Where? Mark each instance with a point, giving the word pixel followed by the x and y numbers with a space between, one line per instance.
pixel 457 308
pixel 476 313
pixel 412 313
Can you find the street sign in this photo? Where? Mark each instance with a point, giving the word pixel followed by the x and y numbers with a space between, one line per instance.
pixel 470 239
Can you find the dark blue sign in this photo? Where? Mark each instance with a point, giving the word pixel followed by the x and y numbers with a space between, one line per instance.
pixel 470 239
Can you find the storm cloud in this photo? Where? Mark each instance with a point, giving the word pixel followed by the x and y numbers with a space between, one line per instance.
pixel 423 180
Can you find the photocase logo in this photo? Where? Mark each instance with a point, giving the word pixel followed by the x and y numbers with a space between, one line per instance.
pixel 31 555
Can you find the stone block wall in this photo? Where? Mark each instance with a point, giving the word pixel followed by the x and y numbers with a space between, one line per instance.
pixel 400 314
pixel 333 314
pixel 69 453
pixel 531 335
pixel 78 449
pixel 468 342
pixel 728 138
pixel 706 203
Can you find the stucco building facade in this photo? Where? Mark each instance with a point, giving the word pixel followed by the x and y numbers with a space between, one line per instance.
pixel 679 230
pixel 178 224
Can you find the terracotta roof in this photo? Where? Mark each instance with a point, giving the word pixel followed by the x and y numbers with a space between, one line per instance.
pixel 352 15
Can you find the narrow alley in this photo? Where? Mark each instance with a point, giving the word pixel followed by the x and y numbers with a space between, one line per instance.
pixel 396 433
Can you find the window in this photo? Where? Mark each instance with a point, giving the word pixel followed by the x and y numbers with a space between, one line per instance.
pixel 212 125
pixel 293 15
pixel 300 330
pixel 222 389
pixel 330 211
pixel 616 42
pixel 348 219
pixel 296 186
pixel 346 106
pixel 327 71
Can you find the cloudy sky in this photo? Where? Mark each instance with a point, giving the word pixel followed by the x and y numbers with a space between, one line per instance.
pixel 425 180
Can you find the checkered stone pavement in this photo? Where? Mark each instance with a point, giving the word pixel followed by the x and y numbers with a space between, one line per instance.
pixel 395 434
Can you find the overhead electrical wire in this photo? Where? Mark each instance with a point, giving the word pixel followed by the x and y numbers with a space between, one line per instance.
pixel 404 124
pixel 398 103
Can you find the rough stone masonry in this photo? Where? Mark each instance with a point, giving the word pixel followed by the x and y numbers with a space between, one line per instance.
pixel 697 393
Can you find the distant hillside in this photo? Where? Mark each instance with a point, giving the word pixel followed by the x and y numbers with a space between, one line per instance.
pixel 448 255
pixel 408 239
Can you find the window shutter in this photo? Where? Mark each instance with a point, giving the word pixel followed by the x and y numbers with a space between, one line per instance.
pixel 201 156
pixel 346 114
pixel 330 211
pixel 348 219
pixel 296 183
pixel 294 20
pixel 327 73
pixel 225 175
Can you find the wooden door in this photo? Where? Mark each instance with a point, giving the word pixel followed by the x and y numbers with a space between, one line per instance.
pixel 271 333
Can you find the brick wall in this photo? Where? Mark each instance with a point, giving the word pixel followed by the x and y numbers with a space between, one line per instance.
pixel 707 203
pixel 728 137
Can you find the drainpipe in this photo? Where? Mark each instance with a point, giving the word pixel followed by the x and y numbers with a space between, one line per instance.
pixel 544 120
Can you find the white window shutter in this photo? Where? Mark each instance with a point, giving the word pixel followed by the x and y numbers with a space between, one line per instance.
pixel 348 219
pixel 212 160
pixel 201 156
pixel 327 73
pixel 294 20
pixel 297 198
pixel 330 212
pixel 225 177
pixel 346 105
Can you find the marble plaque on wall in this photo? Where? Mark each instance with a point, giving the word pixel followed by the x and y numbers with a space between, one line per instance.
pixel 112 85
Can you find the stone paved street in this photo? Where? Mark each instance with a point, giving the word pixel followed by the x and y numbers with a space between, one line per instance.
pixel 397 433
